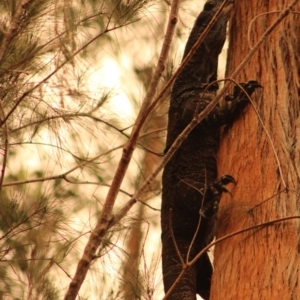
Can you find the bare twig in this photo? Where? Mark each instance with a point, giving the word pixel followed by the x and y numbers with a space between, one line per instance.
pixel 152 132
pixel 130 195
pixel 264 128
pixel 149 206
pixel 199 220
pixel 63 269
pixel 266 200
pixel 260 15
pixel 200 217
pixel 5 148
pixel 85 115
pixel 47 145
pixel 173 238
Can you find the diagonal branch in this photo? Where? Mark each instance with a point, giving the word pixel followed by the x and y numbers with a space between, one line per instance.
pixel 106 215
pixel 6 144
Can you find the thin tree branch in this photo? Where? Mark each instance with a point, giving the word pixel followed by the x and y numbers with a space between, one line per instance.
pixel 264 128
pixel 260 15
pixel 173 238
pixel 86 115
pixel 48 145
pixel 266 200
pixel 105 218
pixel 60 176
pixel 130 195
pixel 200 217
pixel 68 116
pixel 271 142
pixel 145 134
pixel 5 148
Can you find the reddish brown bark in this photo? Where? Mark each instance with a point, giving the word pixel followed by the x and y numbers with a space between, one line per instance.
pixel 263 263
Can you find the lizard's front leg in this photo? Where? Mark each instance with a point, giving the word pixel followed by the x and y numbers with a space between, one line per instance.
pixel 213 195
pixel 234 103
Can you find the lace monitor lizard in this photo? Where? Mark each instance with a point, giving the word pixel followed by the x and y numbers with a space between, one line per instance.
pixel 190 186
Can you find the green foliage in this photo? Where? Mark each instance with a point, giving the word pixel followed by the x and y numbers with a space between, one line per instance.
pixel 30 244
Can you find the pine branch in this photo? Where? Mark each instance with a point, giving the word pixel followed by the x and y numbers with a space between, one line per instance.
pixel 60 176
pixel 29 91
pixel 6 144
pixel 14 26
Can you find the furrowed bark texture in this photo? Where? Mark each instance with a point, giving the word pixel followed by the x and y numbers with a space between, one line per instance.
pixel 193 166
pixel 265 263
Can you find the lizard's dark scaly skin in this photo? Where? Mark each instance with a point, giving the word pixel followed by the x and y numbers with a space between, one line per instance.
pixel 190 186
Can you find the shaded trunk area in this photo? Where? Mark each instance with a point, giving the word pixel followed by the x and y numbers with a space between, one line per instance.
pixel 262 263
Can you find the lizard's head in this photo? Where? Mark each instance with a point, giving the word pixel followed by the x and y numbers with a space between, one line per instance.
pixel 217 33
pixel 215 4
pixel 211 7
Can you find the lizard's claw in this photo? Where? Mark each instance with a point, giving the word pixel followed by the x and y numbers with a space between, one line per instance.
pixel 213 195
pixel 239 94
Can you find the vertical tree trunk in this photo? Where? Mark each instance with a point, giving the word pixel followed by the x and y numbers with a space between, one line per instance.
pixel 262 263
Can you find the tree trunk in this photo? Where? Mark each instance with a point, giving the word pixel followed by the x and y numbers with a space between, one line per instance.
pixel 263 263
